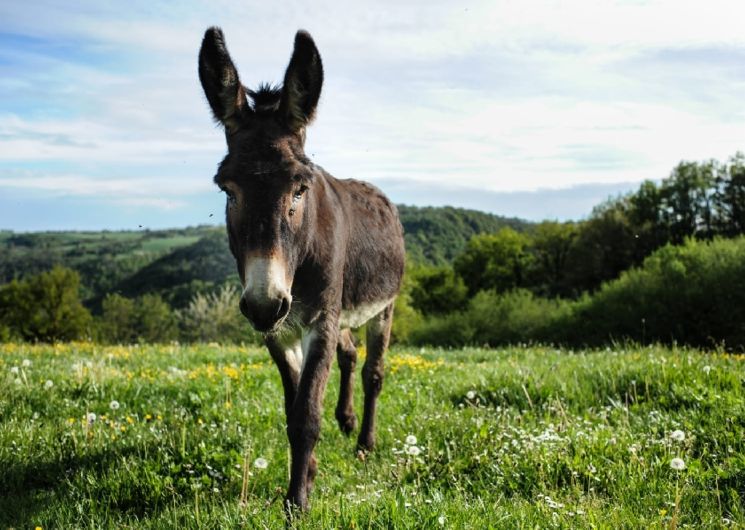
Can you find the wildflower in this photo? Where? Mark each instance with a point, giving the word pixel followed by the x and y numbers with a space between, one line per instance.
pixel 90 418
pixel 678 435
pixel 18 381
pixel 413 450
pixel 706 369
pixel 14 370
pixel 441 520
pixel 114 405
pixel 471 395
pixel 26 363
pixel 677 464
pixel 411 440
pixel 48 384
pixel 261 463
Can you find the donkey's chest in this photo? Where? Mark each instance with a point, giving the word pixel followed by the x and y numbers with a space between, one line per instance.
pixel 355 317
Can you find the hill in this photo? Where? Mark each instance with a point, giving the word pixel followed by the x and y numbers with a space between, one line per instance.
pixel 177 263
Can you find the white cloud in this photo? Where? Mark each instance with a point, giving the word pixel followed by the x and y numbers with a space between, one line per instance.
pixel 496 95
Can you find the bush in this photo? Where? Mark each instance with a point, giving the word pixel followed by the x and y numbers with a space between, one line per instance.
pixel 215 317
pixel 146 318
pixel 492 319
pixel 692 294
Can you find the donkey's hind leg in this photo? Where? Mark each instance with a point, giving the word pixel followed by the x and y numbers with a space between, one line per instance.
pixel 378 335
pixel 346 354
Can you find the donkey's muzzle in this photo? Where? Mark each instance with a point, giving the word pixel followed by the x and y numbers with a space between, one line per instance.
pixel 266 315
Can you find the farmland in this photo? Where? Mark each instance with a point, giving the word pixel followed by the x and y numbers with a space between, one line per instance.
pixel 193 436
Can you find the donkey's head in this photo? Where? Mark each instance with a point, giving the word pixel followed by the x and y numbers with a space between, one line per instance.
pixel 266 176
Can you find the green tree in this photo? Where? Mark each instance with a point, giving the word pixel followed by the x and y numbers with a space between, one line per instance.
pixel 146 318
pixel 494 261
pixel 551 245
pixel 437 290
pixel 116 323
pixel 44 307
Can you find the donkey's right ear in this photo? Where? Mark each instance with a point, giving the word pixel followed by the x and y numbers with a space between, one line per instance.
pixel 220 82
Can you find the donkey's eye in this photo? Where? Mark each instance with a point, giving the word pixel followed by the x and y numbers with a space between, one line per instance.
pixel 230 195
pixel 299 192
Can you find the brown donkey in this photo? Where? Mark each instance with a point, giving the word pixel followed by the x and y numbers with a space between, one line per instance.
pixel 316 255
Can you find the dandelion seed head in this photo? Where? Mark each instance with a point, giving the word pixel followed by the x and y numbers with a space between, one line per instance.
pixel 678 435
pixel 114 405
pixel 706 369
pixel 90 417
pixel 26 363
pixel 14 370
pixel 18 381
pixel 261 463
pixel 48 384
pixel 441 520
pixel 413 450
pixel 677 464
pixel 471 395
pixel 411 440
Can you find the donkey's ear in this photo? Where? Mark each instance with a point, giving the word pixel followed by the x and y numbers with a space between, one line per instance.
pixel 302 85
pixel 220 82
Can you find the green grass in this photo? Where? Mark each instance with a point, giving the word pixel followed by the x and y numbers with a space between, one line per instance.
pixel 510 438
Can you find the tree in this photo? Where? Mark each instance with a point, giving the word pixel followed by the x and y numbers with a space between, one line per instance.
pixel 551 244
pixel 494 261
pixel 44 307
pixel 146 318
pixel 437 290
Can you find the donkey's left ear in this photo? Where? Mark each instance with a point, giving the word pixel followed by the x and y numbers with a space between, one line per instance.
pixel 302 85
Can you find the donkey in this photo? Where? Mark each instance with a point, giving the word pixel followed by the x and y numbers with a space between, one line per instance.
pixel 316 255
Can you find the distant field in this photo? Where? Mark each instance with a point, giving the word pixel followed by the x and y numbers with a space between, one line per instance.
pixel 522 437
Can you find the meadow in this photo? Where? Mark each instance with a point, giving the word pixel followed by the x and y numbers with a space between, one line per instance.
pixel 522 437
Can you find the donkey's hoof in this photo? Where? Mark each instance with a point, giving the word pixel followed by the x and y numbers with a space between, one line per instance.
pixel 365 444
pixel 347 422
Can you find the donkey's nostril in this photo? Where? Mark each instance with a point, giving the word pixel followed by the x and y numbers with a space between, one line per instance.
pixel 284 308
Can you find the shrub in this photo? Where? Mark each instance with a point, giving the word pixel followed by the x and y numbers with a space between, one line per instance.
pixel 215 317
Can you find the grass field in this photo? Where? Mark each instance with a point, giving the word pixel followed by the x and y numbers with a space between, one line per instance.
pixel 512 438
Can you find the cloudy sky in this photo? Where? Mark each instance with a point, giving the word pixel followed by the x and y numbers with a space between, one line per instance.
pixel 533 109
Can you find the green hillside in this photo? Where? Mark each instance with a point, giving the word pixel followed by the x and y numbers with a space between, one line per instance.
pixel 180 262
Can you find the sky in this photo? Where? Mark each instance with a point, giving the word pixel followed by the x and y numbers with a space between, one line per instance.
pixel 538 110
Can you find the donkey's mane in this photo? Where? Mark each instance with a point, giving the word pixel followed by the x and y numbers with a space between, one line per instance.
pixel 265 98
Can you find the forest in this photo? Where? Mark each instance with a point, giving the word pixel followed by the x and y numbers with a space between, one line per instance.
pixel 663 263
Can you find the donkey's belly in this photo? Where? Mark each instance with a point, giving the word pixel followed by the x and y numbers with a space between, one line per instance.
pixel 355 317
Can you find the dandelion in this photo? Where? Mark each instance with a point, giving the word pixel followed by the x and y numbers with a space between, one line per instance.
pixel 14 370
pixel 413 450
pixel 677 464
pixel 114 405
pixel 706 369
pixel 471 395
pixel 48 384
pixel 261 463
pixel 678 435
pixel 90 418
pixel 18 381
pixel 411 440
pixel 26 363
pixel 441 520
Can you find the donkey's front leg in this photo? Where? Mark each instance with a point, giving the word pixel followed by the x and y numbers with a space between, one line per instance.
pixel 304 420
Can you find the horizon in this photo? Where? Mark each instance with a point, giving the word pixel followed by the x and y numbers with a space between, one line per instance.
pixel 536 111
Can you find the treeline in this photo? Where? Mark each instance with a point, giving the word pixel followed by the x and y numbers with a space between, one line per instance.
pixel 544 283
pixel 47 307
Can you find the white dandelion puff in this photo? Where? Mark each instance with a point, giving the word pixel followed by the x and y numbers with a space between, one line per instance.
pixel 18 381
pixel 90 418
pixel 706 369
pixel 48 384
pixel 261 463
pixel 677 464
pixel 411 440
pixel 441 520
pixel 14 370
pixel 114 405
pixel 26 363
pixel 471 395
pixel 413 450
pixel 678 435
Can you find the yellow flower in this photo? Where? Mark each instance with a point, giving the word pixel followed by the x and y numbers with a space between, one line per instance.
pixel 148 417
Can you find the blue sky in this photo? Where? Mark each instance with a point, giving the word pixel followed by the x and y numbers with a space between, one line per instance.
pixel 530 109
